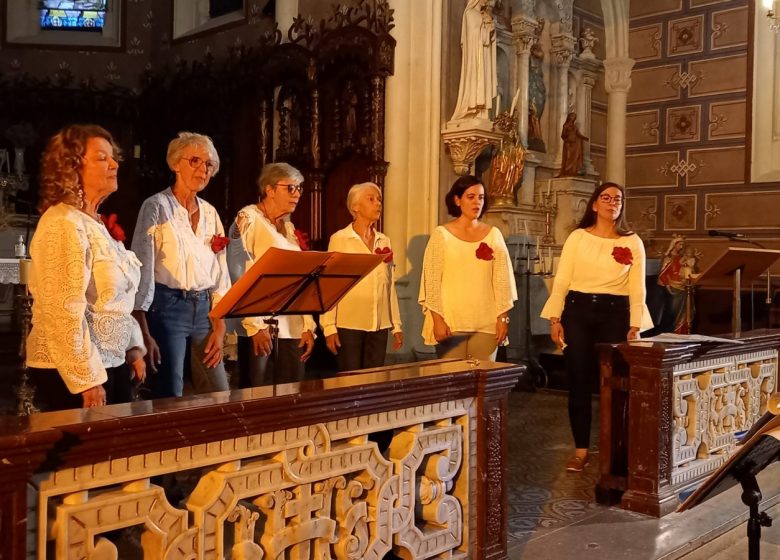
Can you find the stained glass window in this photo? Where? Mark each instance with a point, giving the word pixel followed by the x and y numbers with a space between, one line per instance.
pixel 79 15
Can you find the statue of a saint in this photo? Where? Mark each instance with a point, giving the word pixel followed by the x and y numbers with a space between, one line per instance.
pixel 677 268
pixel 507 163
pixel 478 80
pixel 537 98
pixel 573 140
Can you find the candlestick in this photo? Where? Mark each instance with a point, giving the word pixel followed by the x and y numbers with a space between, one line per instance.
pixel 528 256
pixel 548 187
pixel 525 227
pixel 549 256
pixel 538 254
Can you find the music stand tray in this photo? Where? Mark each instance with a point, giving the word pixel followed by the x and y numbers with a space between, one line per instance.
pixel 285 282
pixel 760 449
pixel 733 267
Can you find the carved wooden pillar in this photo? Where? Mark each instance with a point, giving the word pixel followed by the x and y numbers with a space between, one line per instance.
pixel 266 132
pixel 378 164
pixel 315 173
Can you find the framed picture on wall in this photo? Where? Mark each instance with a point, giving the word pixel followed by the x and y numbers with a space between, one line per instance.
pixel 96 24
pixel 196 18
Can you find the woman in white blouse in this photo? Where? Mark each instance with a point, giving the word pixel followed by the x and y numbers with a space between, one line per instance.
pixel 181 243
pixel 83 281
pixel 598 296
pixel 257 228
pixel 356 329
pixel 468 285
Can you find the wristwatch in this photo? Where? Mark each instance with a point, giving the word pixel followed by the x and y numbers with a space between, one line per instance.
pixel 504 319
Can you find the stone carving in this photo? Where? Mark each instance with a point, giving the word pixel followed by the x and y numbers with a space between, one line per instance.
pixel 588 40
pixel 537 95
pixel 573 147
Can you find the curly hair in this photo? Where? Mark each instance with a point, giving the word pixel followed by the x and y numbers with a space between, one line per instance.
pixel 61 164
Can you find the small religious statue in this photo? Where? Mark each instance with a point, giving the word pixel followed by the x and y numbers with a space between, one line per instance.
pixel 678 267
pixel 507 163
pixel 573 141
pixel 588 40
pixel 537 97
pixel 350 119
pixel 478 80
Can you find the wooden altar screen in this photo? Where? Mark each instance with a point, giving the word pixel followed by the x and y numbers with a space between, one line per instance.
pixel 672 413
pixel 291 471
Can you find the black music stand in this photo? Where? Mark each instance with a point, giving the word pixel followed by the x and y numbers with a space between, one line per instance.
pixel 285 282
pixel 760 448
pixel 735 266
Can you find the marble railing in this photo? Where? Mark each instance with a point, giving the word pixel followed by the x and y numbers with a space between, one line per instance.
pixel 672 414
pixel 408 460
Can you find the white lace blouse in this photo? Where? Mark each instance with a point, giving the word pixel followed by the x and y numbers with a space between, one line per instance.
pixel 467 291
pixel 83 284
pixel 173 254
pixel 251 235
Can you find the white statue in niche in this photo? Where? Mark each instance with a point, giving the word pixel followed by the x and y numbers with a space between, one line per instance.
pixel 478 81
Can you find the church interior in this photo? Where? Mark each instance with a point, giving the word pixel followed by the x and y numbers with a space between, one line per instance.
pixel 675 101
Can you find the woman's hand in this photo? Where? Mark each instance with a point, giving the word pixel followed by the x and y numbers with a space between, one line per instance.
pixel 398 340
pixel 262 342
pixel 333 342
pixel 153 356
pixel 556 332
pixel 633 333
pixel 94 396
pixel 135 359
pixel 440 329
pixel 502 328
pixel 213 350
pixel 307 343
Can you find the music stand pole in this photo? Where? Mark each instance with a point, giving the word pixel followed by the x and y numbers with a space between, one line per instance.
pixel 751 497
pixel 736 308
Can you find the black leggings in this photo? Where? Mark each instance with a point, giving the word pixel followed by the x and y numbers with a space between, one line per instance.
pixel 51 393
pixel 589 319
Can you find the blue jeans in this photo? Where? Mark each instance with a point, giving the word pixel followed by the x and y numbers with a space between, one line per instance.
pixel 174 318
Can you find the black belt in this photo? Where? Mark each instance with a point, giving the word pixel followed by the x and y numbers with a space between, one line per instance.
pixel 581 297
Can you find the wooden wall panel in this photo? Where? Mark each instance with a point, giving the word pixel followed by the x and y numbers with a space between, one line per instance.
pixel 680 212
pixel 717 166
pixel 729 28
pixel 739 211
pixel 642 213
pixel 638 9
pixel 644 43
pixel 727 74
pixel 652 169
pixel 685 36
pixel 598 128
pixel 653 84
pixel 642 128
pixel 683 124
pixel 727 119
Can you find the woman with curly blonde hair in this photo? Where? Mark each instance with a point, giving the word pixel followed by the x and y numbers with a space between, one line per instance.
pixel 84 347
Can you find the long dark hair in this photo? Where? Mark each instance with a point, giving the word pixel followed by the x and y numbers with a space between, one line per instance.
pixel 589 217
pixel 461 185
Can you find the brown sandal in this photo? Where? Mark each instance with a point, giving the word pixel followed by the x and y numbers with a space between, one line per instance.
pixel 577 464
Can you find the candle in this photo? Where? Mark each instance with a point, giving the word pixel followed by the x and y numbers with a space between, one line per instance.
pixel 527 256
pixel 538 254
pixel 514 102
pixel 549 256
pixel 525 228
pixel 548 187
pixel 24 271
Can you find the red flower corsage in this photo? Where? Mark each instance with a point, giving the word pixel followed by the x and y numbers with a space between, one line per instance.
pixel 387 252
pixel 303 239
pixel 219 242
pixel 484 252
pixel 622 255
pixel 114 229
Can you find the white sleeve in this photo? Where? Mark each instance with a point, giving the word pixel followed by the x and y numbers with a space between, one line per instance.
pixel 143 247
pixel 636 284
pixel 504 288
pixel 563 276
pixel 328 319
pixel 223 283
pixel 433 266
pixel 241 257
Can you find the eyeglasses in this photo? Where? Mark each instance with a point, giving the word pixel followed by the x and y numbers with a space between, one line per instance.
pixel 609 199
pixel 195 162
pixel 292 188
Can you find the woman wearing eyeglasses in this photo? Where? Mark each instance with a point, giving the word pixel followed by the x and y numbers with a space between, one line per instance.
pixel 598 296
pixel 257 228
pixel 181 243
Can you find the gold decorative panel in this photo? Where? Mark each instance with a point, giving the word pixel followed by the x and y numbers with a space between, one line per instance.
pixel 652 170
pixel 718 166
pixel 727 119
pixel 729 28
pixel 683 124
pixel 642 213
pixel 680 212
pixel 654 84
pixel 719 75
pixel 598 128
pixel 642 128
pixel 736 209
pixel 644 43
pixel 643 9
pixel 686 36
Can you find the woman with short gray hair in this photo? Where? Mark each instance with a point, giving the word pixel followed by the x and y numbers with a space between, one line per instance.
pixel 181 242
pixel 356 330
pixel 257 228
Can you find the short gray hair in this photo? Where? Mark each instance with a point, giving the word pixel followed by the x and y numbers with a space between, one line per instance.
pixel 272 173
pixel 354 194
pixel 186 139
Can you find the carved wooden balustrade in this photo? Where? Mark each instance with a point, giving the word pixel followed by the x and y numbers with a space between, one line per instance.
pixel 672 414
pixel 288 472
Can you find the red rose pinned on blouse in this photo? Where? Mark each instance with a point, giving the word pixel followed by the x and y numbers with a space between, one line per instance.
pixel 114 229
pixel 485 252
pixel 387 252
pixel 303 239
pixel 219 242
pixel 622 255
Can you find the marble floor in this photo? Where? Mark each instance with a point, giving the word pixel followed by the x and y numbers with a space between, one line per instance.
pixel 553 514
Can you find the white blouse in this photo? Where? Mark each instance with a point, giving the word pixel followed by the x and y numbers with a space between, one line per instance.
pixel 468 292
pixel 251 235
pixel 173 254
pixel 587 265
pixel 372 304
pixel 83 284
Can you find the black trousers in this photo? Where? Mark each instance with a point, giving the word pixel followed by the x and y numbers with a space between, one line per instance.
pixel 51 393
pixel 588 319
pixel 361 349
pixel 285 367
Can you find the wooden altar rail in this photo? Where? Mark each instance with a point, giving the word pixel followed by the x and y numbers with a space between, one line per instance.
pixel 671 414
pixel 290 471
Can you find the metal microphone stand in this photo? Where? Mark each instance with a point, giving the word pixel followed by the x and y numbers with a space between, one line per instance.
pixel 538 374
